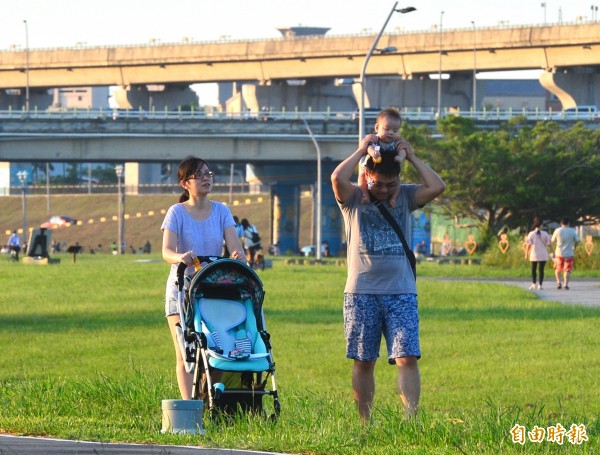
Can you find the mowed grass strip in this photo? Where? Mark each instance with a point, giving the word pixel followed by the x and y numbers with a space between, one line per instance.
pixel 86 354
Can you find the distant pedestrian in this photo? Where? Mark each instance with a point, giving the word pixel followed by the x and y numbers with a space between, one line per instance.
pixel 239 229
pixel 14 244
pixel 536 251
pixel 251 240
pixel 566 239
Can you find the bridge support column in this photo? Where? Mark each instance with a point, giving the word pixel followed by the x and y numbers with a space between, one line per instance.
pixel 286 216
pixel 331 217
pixel 155 96
pixel 547 81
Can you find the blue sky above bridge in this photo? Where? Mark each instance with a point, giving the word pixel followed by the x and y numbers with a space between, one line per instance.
pixel 54 23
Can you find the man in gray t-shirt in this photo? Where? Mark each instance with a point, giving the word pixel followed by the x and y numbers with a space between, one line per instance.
pixel 380 296
pixel 565 238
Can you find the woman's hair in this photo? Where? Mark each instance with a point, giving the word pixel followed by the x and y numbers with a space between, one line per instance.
pixel 245 223
pixel 537 222
pixel 188 167
pixel 388 167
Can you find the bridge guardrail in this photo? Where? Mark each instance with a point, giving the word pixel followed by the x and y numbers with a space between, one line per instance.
pixel 411 114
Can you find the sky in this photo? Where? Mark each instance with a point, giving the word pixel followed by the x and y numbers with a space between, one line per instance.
pixel 69 23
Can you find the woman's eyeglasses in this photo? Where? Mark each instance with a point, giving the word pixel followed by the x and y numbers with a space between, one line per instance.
pixel 199 175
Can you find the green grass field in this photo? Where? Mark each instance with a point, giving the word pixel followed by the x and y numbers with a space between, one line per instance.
pixel 86 354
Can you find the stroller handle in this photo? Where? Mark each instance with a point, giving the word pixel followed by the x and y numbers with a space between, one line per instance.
pixel 180 272
pixel 199 260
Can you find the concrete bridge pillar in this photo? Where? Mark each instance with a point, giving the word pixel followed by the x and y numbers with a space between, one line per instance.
pixel 547 81
pixel 286 216
pixel 331 217
pixel 155 96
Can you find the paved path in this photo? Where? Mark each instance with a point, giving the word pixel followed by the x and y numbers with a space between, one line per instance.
pixel 582 291
pixel 19 445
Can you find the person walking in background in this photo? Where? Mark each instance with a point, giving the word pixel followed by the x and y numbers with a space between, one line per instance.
pixel 196 226
pixel 239 229
pixel 251 240
pixel 240 233
pixel 536 251
pixel 380 296
pixel 14 244
pixel 565 238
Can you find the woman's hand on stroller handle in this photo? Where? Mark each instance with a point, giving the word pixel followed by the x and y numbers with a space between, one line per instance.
pixel 238 255
pixel 188 258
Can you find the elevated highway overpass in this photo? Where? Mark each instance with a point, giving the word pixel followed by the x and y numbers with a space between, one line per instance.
pixel 158 136
pixel 553 48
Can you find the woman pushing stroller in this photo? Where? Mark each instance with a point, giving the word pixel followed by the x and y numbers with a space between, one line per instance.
pixel 196 226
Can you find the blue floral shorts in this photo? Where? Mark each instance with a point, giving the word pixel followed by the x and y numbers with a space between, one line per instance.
pixel 368 316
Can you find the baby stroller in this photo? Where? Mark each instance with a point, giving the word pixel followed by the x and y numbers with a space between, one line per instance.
pixel 224 338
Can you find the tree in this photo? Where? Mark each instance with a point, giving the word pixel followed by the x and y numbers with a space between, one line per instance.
pixel 502 178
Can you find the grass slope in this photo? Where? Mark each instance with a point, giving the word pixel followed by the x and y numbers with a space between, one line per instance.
pixel 145 215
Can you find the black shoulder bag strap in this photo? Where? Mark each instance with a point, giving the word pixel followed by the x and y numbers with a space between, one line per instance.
pixel 390 219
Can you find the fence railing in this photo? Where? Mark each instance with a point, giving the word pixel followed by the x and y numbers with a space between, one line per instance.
pixel 145 188
pixel 415 113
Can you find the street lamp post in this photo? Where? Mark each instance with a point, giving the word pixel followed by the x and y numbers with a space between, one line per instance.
pixel 543 5
pixel 119 170
pixel 474 68
pixel 48 187
pixel 361 108
pixel 22 175
pixel 319 191
pixel 439 84
pixel 26 66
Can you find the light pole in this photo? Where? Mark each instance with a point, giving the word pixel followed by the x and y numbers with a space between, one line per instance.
pixel 22 175
pixel 319 191
pixel 361 107
pixel 439 84
pixel 26 66
pixel 474 68
pixel 119 170
pixel 543 5
pixel 48 187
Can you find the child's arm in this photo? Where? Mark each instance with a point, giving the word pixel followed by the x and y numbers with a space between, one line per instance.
pixel 374 150
pixel 362 180
pixel 401 150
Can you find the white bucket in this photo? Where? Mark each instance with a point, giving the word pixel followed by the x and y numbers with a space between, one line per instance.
pixel 182 416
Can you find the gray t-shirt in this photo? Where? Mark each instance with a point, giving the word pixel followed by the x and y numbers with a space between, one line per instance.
pixel 204 238
pixel 377 263
pixel 565 238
